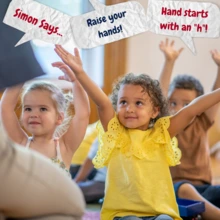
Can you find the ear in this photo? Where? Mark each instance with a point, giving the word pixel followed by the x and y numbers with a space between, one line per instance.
pixel 155 112
pixel 60 118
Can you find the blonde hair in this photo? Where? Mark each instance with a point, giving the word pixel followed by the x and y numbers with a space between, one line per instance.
pixel 63 102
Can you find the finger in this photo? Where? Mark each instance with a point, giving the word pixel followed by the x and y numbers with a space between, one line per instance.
pixel 63 67
pixel 172 43
pixel 61 77
pixel 180 50
pixel 161 45
pixel 213 52
pixel 57 64
pixel 61 51
pixel 166 42
pixel 66 70
pixel 76 52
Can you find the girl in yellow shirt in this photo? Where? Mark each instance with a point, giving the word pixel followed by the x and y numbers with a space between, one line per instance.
pixel 137 144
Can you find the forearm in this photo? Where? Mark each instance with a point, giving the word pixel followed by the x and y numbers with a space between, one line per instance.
pixel 93 90
pixel 204 102
pixel 165 76
pixel 10 98
pixel 84 170
pixel 81 101
pixel 8 115
pixel 217 80
pixel 199 105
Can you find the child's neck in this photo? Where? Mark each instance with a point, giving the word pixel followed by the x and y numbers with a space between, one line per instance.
pixel 47 147
pixel 42 138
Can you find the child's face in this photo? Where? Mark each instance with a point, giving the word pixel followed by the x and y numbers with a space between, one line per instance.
pixel 134 107
pixel 180 98
pixel 39 116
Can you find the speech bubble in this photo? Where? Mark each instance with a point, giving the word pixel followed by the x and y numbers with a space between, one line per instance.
pixel 112 23
pixel 184 20
pixel 38 21
pixel 108 23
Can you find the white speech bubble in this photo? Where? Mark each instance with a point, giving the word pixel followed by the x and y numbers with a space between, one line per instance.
pixel 173 18
pixel 108 23
pixel 112 23
pixel 38 21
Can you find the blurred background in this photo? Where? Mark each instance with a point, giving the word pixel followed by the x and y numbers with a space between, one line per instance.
pixel 138 54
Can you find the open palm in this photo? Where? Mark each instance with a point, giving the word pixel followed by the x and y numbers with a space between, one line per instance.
pixel 68 73
pixel 169 51
pixel 73 61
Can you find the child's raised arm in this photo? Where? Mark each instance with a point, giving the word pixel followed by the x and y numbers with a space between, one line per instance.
pixel 211 112
pixel 76 131
pixel 171 55
pixel 105 109
pixel 182 118
pixel 9 117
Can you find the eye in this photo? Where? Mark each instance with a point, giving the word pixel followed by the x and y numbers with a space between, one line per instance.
pixel 185 104
pixel 139 103
pixel 172 104
pixel 43 109
pixel 122 102
pixel 27 109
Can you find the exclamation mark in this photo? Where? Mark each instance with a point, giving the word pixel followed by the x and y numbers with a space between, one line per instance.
pixel 121 28
pixel 206 27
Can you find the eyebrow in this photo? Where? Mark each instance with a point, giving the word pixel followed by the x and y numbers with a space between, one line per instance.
pixel 134 98
pixel 36 106
pixel 185 100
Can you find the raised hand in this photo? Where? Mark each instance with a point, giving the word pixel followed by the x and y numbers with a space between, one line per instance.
pixel 216 57
pixel 73 61
pixel 68 73
pixel 169 51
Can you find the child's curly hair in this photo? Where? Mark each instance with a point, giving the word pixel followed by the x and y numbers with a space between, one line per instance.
pixel 186 82
pixel 149 85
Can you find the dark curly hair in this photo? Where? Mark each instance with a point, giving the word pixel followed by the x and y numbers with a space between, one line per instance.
pixel 186 82
pixel 149 85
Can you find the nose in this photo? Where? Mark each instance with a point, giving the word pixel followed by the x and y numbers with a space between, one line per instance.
pixel 130 109
pixel 34 114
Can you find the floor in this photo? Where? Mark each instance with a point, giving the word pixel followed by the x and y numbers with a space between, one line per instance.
pixel 92 212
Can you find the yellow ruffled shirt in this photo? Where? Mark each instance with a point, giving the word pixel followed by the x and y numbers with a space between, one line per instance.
pixel 138 178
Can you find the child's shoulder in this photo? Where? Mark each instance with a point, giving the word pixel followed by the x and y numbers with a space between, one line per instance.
pixel 163 122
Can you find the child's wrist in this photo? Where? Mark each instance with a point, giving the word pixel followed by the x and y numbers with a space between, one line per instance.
pixel 170 61
pixel 79 73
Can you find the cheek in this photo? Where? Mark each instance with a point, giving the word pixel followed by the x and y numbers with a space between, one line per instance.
pixel 172 110
pixel 119 110
pixel 23 116
pixel 23 119
pixel 120 115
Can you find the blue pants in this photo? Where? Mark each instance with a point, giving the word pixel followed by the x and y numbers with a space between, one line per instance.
pixel 159 217
pixel 209 192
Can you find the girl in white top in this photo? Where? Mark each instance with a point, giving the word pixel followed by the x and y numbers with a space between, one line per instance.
pixel 45 116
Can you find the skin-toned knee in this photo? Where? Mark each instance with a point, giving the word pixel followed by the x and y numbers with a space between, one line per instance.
pixel 186 190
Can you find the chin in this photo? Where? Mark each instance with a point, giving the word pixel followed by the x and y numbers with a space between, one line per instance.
pixel 130 126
